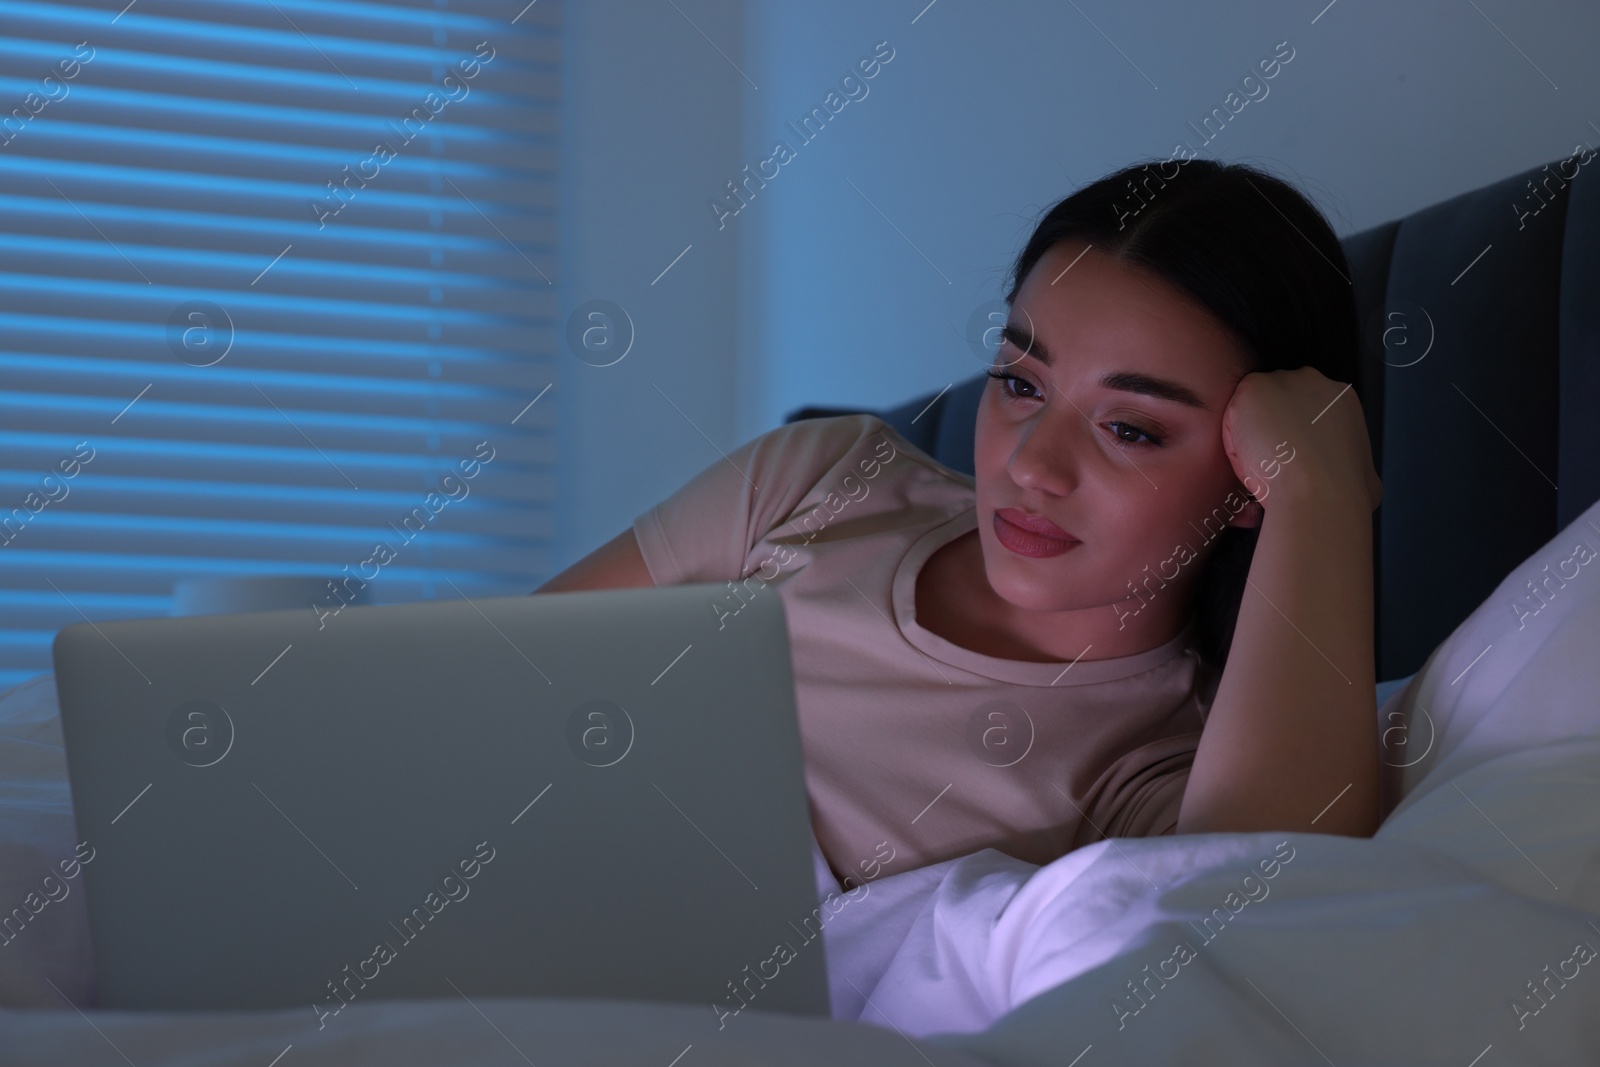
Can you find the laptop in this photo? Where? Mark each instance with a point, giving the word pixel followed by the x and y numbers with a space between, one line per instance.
pixel 580 794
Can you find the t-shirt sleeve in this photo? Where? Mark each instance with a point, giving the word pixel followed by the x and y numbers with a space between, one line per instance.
pixel 705 531
pixel 1154 801
pixel 1158 813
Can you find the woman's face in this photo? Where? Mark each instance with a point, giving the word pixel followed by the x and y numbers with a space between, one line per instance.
pixel 1082 441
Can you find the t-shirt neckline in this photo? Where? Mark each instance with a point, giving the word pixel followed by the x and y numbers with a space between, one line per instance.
pixel 1018 672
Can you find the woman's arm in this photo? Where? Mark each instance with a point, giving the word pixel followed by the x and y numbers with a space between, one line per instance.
pixel 1291 741
pixel 617 564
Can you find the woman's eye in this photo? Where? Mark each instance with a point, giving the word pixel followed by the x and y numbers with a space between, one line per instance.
pixel 1006 388
pixel 1128 427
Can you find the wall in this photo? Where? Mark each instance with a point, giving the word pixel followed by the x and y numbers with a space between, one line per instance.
pixel 651 120
pixel 848 279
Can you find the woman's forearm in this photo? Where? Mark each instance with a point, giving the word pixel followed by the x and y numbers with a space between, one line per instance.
pixel 1291 741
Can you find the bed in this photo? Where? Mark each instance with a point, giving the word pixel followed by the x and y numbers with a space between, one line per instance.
pixel 1465 932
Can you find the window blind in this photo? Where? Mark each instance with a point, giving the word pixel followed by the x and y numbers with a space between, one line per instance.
pixel 274 276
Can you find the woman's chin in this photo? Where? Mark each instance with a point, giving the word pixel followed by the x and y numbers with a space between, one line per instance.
pixel 1019 583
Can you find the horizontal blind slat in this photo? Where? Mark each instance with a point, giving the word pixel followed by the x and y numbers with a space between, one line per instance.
pixel 379 321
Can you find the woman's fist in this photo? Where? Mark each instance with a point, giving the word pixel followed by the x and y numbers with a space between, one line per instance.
pixel 1297 428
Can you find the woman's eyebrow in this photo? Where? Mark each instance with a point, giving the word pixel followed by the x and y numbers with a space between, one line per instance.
pixel 1124 381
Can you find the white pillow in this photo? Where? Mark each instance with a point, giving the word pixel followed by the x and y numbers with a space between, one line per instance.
pixel 1513 687
pixel 44 927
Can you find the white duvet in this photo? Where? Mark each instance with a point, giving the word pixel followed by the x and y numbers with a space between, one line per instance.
pixel 1465 933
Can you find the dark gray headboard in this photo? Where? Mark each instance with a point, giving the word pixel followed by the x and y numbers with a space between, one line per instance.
pixel 1489 444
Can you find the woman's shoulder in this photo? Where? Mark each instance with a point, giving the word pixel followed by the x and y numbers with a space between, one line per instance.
pixel 860 437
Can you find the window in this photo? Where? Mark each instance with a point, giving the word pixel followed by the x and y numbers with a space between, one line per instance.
pixel 273 277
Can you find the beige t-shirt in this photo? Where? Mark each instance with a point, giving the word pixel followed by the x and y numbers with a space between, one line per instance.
pixel 908 738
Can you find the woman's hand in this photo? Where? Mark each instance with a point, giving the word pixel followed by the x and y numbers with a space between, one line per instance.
pixel 1296 428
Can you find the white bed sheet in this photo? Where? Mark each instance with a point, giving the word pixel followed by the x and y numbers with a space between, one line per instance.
pixel 1383 951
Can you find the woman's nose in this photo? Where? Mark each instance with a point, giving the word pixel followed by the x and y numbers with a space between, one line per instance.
pixel 1045 458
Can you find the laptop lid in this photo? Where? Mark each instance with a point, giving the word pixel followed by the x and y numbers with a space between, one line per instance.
pixel 590 794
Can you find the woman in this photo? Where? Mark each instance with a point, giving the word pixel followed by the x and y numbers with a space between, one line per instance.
pixel 1168 528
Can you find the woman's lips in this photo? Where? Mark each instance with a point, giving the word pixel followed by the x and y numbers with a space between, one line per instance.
pixel 1034 523
pixel 1026 542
